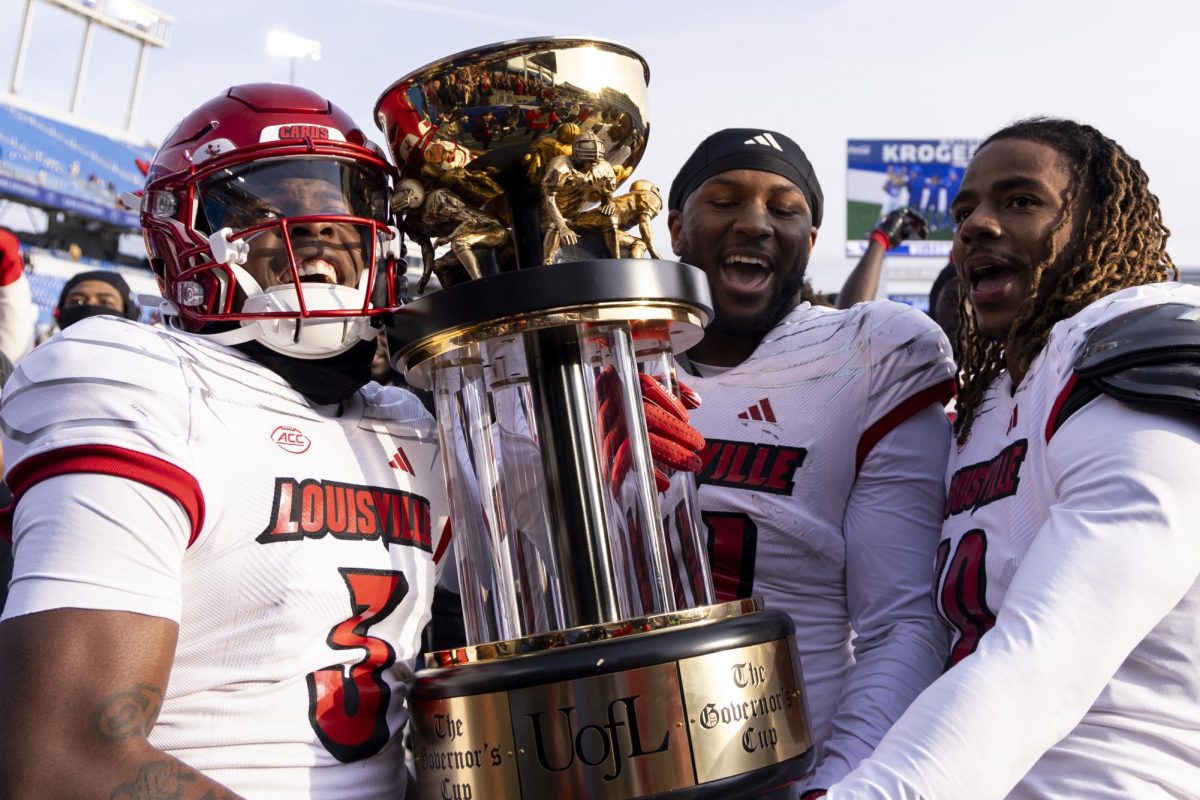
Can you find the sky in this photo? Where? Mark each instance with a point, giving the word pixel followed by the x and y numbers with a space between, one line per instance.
pixel 821 71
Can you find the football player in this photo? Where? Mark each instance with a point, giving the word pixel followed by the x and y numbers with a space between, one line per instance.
pixel 207 530
pixel 822 483
pixel 1069 557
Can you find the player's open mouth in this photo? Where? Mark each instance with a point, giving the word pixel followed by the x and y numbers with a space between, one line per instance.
pixel 991 279
pixel 317 270
pixel 743 272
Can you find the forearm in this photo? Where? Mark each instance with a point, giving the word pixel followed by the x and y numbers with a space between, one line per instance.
pixel 892 525
pixel 550 205
pixel 1115 555
pixel 72 768
pixel 863 281
pixel 59 743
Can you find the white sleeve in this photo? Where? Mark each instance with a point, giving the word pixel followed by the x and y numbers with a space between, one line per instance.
pixel 92 541
pixel 892 524
pixel 1118 551
pixel 18 317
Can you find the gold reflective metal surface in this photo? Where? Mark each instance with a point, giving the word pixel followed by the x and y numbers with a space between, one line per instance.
pixel 687 323
pixel 610 736
pixel 463 748
pixel 556 123
pixel 592 633
pixel 626 734
pixel 746 708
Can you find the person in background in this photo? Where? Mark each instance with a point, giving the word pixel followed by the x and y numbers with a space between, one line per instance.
pixel 6 369
pixel 944 301
pixel 847 406
pixel 898 226
pixel 91 294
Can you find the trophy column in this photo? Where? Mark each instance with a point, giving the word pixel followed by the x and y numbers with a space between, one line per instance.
pixel 598 665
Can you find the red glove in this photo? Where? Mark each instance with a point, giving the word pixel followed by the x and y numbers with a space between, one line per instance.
pixel 674 444
pixel 11 265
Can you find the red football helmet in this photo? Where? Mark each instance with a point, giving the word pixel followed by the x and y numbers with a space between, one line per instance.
pixel 266 209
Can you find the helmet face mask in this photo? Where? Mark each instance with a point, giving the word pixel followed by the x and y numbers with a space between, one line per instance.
pixel 260 230
pixel 587 149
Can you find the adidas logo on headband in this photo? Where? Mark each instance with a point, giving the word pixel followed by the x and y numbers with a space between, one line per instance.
pixel 766 139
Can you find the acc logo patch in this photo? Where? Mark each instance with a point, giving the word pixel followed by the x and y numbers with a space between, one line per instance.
pixel 291 439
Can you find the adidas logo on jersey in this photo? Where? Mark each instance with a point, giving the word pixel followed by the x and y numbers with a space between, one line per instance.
pixel 401 462
pixel 760 411
pixel 765 139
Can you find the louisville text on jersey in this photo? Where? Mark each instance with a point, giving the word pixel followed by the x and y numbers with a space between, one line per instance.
pixel 749 465
pixel 313 509
pixel 977 485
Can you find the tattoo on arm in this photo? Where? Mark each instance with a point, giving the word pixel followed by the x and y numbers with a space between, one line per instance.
pixel 164 780
pixel 127 714
pixel 157 780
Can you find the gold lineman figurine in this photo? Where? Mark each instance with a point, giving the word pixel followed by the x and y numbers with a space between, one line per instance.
pixel 570 183
pixel 441 213
pixel 547 148
pixel 638 207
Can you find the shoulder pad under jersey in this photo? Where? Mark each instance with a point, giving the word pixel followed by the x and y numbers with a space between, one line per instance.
pixel 1148 357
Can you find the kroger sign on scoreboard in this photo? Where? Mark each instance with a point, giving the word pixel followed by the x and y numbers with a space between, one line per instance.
pixel 886 174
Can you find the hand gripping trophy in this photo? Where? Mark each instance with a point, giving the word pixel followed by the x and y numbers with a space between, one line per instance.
pixel 598 664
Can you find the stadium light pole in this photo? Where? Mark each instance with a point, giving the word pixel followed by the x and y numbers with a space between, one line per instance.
pixel 292 47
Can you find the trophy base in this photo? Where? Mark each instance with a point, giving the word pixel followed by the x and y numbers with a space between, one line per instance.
pixel 689 710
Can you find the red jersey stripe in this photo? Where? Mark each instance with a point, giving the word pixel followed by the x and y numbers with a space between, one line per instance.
pixel 938 393
pixel 107 460
pixel 1056 409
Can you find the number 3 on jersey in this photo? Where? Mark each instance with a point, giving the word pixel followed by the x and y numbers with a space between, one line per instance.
pixel 349 714
pixel 964 592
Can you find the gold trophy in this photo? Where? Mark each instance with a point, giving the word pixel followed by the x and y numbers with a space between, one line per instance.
pixel 598 663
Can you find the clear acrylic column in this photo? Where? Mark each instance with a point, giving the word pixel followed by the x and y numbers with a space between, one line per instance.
pixel 553 504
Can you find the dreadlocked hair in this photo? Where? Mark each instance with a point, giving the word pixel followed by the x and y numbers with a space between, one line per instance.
pixel 1123 244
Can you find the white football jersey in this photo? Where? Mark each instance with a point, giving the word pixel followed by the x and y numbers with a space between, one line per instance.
pixel 1068 570
pixel 821 491
pixel 293 545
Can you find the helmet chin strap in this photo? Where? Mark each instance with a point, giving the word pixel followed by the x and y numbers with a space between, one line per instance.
pixel 291 336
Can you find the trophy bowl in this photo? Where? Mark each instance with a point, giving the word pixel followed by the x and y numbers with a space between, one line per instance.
pixel 597 662
pixel 495 128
